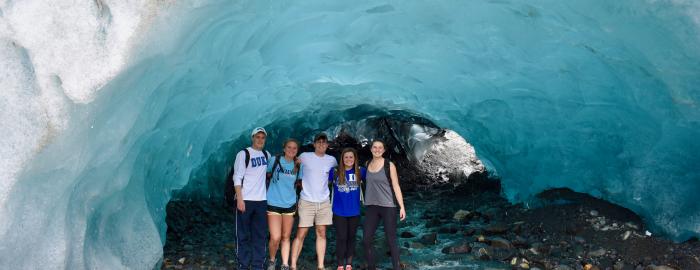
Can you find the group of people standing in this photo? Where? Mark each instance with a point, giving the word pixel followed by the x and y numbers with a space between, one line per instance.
pixel 273 204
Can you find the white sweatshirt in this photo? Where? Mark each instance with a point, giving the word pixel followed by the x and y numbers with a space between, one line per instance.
pixel 251 178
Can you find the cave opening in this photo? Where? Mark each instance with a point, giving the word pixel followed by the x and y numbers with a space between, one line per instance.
pixel 201 225
pixel 457 214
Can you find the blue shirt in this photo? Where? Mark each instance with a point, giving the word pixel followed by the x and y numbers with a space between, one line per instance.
pixel 346 198
pixel 281 192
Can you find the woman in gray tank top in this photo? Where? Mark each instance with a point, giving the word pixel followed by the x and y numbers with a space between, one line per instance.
pixel 383 198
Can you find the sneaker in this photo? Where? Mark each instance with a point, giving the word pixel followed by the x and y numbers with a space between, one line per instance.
pixel 271 265
pixel 284 267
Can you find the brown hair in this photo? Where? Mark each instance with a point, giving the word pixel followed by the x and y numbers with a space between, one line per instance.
pixel 290 140
pixel 379 141
pixel 340 172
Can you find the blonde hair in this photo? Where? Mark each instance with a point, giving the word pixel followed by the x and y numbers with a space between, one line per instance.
pixel 291 140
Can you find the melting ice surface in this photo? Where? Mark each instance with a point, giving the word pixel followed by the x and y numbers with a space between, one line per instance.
pixel 598 96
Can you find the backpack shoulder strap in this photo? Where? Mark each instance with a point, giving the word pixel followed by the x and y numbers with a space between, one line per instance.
pixel 276 164
pixel 247 157
pixel 270 176
pixel 387 170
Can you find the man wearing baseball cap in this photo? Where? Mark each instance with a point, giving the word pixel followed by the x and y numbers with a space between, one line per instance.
pixel 250 168
pixel 314 203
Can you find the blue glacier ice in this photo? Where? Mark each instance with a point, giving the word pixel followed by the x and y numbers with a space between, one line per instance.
pixel 110 110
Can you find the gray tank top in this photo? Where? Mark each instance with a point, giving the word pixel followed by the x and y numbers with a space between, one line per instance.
pixel 378 189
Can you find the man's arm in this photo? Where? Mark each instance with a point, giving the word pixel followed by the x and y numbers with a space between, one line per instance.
pixel 238 173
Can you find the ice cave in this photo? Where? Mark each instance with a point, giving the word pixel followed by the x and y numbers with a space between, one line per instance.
pixel 111 110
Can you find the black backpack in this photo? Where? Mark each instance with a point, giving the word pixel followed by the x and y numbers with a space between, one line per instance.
pixel 229 190
pixel 387 171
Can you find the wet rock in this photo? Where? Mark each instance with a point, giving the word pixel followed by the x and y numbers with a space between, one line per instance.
pixel 488 212
pixel 554 251
pixel 502 254
pixel 563 267
pixel 462 248
pixel 631 226
pixel 498 242
pixel 496 228
pixel 541 248
pixel 408 266
pixel 518 226
pixel 416 245
pixel 520 242
pixel 619 265
pixel 429 239
pixel 522 263
pixel 660 267
pixel 597 252
pixel 469 231
pixel 462 215
pixel 483 253
pixel 450 230
pixel 626 235
pixel 434 222
pixel 407 234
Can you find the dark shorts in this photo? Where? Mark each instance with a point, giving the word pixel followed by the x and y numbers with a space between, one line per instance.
pixel 274 210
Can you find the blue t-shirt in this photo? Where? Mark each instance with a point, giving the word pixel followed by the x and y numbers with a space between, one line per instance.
pixel 346 198
pixel 281 192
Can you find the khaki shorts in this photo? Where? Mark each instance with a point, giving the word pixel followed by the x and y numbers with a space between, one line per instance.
pixel 311 214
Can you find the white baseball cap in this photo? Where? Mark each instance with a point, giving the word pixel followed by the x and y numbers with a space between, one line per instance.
pixel 258 130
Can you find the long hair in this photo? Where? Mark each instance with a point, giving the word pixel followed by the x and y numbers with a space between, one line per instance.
pixel 290 140
pixel 341 167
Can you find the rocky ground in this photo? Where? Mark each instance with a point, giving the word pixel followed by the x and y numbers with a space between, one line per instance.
pixel 464 229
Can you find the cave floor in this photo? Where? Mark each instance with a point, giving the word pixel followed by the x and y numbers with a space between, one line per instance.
pixel 461 230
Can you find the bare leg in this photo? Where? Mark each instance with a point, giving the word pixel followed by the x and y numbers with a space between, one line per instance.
pixel 297 245
pixel 320 244
pixel 275 225
pixel 287 223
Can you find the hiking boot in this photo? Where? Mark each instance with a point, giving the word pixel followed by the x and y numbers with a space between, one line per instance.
pixel 271 265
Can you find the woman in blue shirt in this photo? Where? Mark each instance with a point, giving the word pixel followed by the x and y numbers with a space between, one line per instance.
pixel 346 205
pixel 282 200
